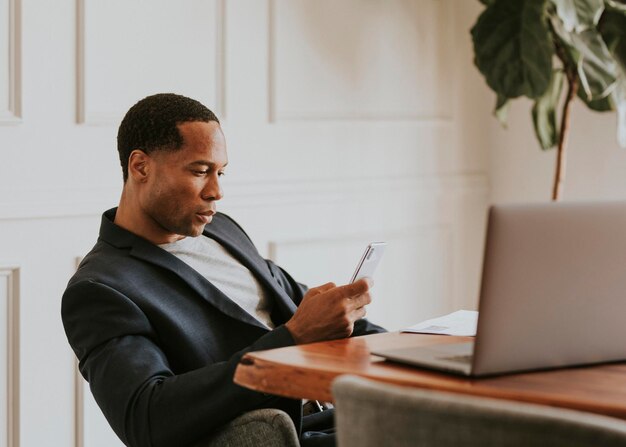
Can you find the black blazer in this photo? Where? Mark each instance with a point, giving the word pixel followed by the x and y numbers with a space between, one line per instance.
pixel 159 344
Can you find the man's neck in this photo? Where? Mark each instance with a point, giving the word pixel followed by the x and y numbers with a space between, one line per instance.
pixel 130 217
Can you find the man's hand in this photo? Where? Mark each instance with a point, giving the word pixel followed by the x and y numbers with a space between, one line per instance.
pixel 328 312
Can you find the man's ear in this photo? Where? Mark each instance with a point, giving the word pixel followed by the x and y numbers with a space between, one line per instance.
pixel 139 165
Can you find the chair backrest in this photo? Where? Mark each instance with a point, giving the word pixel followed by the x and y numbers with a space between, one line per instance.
pixel 372 414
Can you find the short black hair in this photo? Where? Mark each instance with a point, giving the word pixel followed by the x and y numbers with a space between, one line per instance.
pixel 151 124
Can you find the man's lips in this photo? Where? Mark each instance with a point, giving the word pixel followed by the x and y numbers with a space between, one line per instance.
pixel 206 216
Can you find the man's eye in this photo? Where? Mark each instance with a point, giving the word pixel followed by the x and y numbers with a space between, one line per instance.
pixel 201 172
pixel 221 173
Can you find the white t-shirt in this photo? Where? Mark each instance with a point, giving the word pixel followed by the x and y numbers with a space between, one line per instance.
pixel 225 272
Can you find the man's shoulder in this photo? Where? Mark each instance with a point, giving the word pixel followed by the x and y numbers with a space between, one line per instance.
pixel 103 263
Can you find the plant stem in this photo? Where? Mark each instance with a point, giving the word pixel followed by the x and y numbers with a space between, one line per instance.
pixel 559 176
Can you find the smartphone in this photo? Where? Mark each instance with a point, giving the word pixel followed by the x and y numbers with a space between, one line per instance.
pixel 369 261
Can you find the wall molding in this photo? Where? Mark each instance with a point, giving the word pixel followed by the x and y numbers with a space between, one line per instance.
pixel 84 116
pixel 79 407
pixel 275 116
pixel 220 59
pixel 12 275
pixel 290 192
pixel 80 61
pixel 77 202
pixel 271 61
pixel 274 245
pixel 13 113
pixel 79 394
pixel 56 202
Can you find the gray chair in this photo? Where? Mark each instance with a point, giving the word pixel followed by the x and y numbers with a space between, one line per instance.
pixel 258 428
pixel 370 414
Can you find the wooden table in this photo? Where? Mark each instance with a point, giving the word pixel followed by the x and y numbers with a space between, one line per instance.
pixel 307 371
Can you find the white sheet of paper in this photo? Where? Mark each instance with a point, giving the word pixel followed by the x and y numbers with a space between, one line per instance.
pixel 461 322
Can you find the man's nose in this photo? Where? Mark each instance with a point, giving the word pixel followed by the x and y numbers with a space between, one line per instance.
pixel 213 190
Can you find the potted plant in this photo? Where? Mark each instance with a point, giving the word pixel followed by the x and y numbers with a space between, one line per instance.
pixel 543 48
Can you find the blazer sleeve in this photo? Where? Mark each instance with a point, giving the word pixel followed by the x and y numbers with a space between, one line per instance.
pixel 144 401
pixel 365 327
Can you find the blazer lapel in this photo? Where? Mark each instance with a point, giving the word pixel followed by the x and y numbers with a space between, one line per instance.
pixel 241 247
pixel 236 242
pixel 155 255
pixel 148 252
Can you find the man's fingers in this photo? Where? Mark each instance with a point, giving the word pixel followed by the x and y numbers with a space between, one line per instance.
pixel 323 288
pixel 327 286
pixel 362 300
pixel 367 283
pixel 359 313
pixel 356 288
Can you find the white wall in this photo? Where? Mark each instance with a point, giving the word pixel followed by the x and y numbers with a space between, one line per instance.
pixel 520 171
pixel 346 122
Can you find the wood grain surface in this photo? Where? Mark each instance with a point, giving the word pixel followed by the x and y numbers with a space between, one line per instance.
pixel 307 372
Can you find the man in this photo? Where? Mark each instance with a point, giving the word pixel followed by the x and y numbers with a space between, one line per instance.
pixel 173 293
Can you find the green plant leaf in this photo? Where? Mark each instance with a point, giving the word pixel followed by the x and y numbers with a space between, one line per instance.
pixel 501 111
pixel 597 68
pixel 544 112
pixel 595 65
pixel 617 4
pixel 619 96
pixel 579 15
pixel 613 29
pixel 513 48
pixel 597 105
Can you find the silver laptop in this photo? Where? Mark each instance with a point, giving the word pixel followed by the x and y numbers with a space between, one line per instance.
pixel 553 293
